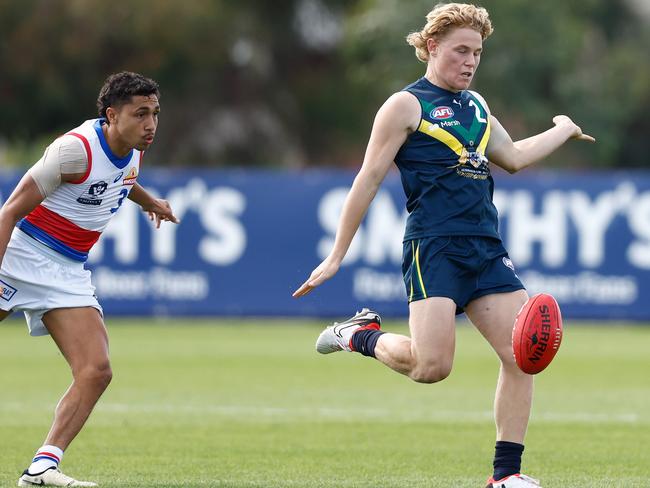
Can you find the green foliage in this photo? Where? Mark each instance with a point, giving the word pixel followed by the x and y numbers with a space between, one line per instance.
pixel 582 59
pixel 297 82
pixel 197 403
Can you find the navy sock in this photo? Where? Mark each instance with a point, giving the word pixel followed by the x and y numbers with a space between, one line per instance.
pixel 507 459
pixel 365 341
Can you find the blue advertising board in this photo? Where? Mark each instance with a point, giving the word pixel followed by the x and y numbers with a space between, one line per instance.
pixel 248 239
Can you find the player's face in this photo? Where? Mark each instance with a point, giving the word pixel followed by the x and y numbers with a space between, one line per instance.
pixel 455 58
pixel 135 123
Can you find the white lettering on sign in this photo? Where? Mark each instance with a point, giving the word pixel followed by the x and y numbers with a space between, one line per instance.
pixel 122 230
pixel 584 287
pixel 157 283
pixel 592 219
pixel 329 211
pixel 560 213
pixel 539 228
pixel 218 209
pixel 379 238
pixel 369 284
pixel 220 216
pixel 638 253
pixel 527 227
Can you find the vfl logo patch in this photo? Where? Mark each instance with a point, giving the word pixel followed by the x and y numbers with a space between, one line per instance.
pixel 442 113
pixel 97 189
pixel 91 197
pixel 131 177
pixel 7 291
pixel 508 263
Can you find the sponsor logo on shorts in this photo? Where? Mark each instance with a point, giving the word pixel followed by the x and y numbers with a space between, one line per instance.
pixel 131 177
pixel 94 191
pixel 508 263
pixel 442 113
pixel 7 291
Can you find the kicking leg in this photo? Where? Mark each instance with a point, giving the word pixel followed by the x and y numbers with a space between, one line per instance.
pixel 426 357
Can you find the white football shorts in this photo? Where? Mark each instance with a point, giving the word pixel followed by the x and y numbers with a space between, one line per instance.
pixel 35 279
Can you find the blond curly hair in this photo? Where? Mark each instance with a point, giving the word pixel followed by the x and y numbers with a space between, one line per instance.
pixel 443 18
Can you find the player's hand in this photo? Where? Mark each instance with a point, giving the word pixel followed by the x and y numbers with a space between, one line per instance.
pixel 159 210
pixel 563 120
pixel 324 271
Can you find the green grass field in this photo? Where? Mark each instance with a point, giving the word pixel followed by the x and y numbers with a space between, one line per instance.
pixel 251 404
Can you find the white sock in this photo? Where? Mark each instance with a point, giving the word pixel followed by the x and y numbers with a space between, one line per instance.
pixel 46 457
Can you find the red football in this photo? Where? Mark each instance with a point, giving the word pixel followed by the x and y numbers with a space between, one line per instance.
pixel 537 333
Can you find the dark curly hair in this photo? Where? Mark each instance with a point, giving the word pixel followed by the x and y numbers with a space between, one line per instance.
pixel 120 87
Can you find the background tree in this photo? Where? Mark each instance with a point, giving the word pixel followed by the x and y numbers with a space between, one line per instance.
pixel 296 83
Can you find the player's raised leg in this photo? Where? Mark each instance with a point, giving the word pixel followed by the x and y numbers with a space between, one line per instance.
pixel 81 336
pixel 338 336
pixel 494 316
pixel 426 357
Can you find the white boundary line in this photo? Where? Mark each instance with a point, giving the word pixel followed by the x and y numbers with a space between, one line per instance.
pixel 255 413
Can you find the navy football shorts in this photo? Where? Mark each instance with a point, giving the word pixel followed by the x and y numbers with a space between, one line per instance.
pixel 458 267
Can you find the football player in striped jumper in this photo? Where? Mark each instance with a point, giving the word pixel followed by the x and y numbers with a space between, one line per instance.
pixel 442 137
pixel 48 225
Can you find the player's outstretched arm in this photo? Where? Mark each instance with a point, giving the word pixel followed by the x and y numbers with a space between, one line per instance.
pixel 158 209
pixel 394 121
pixel 515 156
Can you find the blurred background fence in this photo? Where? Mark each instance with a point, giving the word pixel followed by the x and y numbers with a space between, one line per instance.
pixel 266 110
pixel 248 238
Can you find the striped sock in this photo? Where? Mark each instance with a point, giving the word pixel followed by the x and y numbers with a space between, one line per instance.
pixel 45 458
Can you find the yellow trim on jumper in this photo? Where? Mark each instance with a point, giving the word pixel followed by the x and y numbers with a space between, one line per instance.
pixel 442 135
pixel 484 141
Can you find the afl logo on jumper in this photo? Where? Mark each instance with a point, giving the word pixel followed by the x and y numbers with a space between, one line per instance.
pixel 442 113
pixel 94 191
